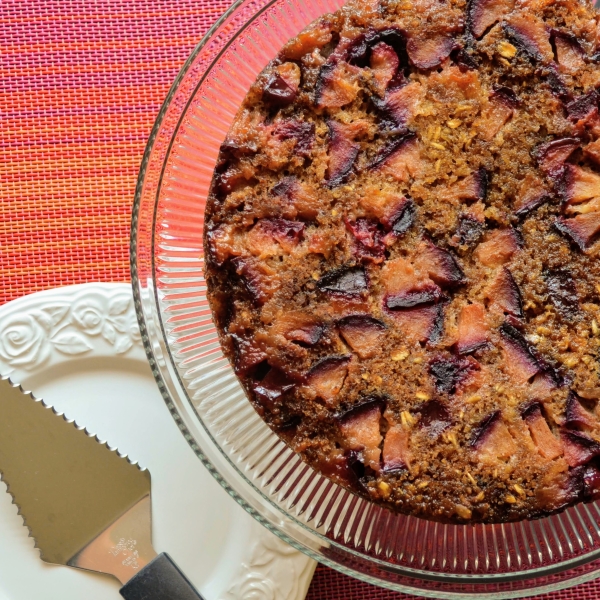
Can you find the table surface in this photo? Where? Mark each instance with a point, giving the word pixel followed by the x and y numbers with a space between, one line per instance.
pixel 82 82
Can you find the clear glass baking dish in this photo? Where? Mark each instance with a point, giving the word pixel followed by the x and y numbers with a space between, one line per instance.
pixel 259 471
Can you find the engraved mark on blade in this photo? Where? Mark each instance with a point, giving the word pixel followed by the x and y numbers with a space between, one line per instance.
pixel 128 550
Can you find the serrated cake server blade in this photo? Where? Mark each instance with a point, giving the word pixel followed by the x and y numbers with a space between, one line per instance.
pixel 85 505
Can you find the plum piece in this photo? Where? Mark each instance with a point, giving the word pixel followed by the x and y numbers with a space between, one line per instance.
pixel 582 229
pixel 346 304
pixel 422 324
pixel 286 233
pixel 473 186
pixel 404 163
pixel 368 240
pixel 230 180
pixel 560 487
pixel 356 467
pixel 553 374
pixel 592 151
pixel 343 467
pixel 248 354
pixel 399 277
pixel 583 107
pixel 586 207
pixel 390 208
pixel 495 115
pixel 349 281
pixel 532 194
pixel 278 92
pixel 297 198
pixel 396 451
pixel 473 331
pixel 398 146
pixel 569 53
pixel 482 14
pixel 300 131
pixel 224 242
pixel 326 377
pixel 547 445
pixel 492 440
pixel 551 156
pixel 506 95
pixel 529 33
pixel 439 264
pixel 413 298
pixel 300 327
pixel 270 236
pixel 498 247
pixel 407 289
pixel 384 64
pixel 403 219
pixel 356 51
pixel 316 35
pixel 337 84
pixel 291 74
pixel 562 292
pixel 519 359
pixel 359 52
pixel 258 278
pixel 543 385
pixel 464 58
pixel 504 294
pixel 436 330
pixel 342 154
pixel 591 483
pixel 272 388
pixel 579 184
pixel 449 372
pixel 576 415
pixel 556 82
pixel 469 231
pixel 399 104
pixel 435 418
pixel 578 447
pixel 360 429
pixel 394 37
pixel 362 333
pixel 429 52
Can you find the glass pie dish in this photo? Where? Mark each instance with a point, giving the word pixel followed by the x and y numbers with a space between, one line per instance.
pixel 271 482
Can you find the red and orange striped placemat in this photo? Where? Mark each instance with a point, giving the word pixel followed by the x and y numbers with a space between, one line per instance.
pixel 82 82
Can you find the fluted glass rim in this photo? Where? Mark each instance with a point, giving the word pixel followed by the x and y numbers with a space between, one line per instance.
pixel 174 393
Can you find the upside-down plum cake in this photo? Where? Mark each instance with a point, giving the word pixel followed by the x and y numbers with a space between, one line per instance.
pixel 402 258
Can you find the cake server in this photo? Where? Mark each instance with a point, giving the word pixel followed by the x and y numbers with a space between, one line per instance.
pixel 84 504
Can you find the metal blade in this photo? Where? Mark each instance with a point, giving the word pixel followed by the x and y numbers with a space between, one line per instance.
pixel 73 492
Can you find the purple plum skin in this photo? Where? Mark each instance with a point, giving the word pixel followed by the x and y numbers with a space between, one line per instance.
pixel 278 93
pixel 272 387
pixel 342 154
pixel 435 417
pixel 562 292
pixel 514 337
pixel 448 372
pixel 351 281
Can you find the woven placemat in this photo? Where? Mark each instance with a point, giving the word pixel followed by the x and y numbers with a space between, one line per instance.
pixel 82 82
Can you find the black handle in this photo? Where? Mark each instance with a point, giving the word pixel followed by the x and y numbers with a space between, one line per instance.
pixel 160 579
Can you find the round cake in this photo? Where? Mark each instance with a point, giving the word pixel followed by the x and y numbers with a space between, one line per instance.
pixel 402 259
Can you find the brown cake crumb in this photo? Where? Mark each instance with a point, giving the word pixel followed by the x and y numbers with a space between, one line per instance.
pixel 402 253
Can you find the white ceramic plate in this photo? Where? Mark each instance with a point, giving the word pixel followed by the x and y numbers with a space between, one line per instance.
pixel 78 347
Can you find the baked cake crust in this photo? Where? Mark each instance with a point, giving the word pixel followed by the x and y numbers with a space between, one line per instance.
pixel 402 259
